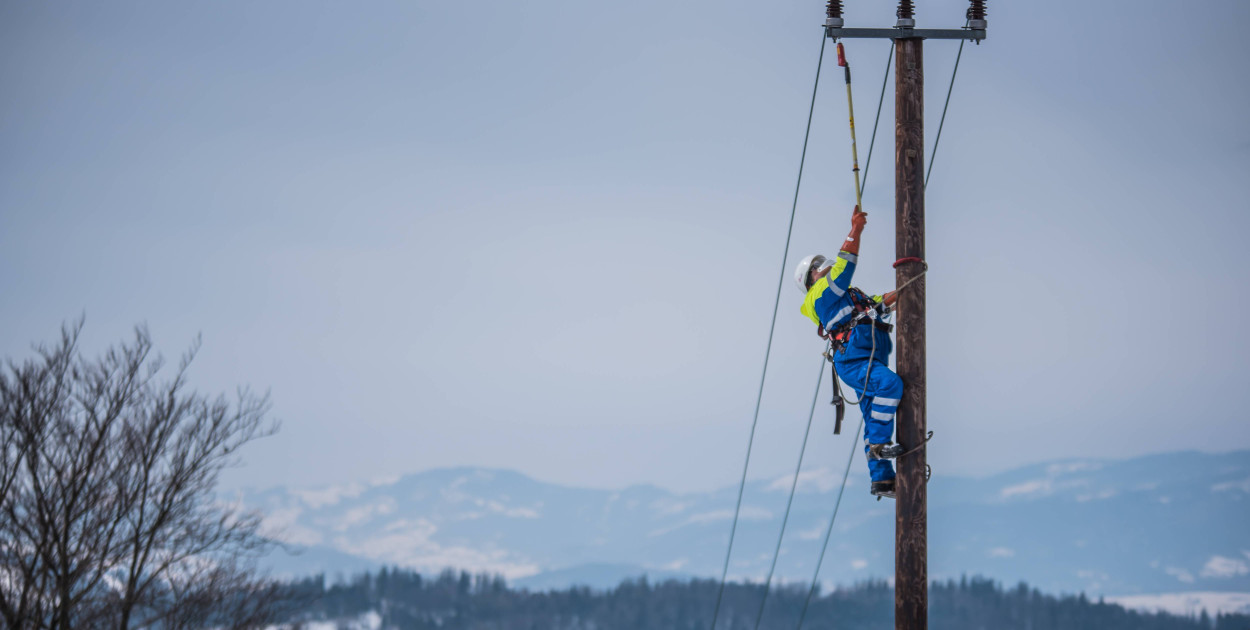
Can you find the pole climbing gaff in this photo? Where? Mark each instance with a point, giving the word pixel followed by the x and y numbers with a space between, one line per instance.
pixel 850 107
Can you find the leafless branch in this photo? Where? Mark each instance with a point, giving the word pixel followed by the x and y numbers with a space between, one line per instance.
pixel 108 476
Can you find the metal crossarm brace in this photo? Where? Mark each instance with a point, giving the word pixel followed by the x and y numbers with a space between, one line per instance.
pixel 906 33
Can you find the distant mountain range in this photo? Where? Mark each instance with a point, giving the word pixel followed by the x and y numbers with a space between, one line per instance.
pixel 1160 524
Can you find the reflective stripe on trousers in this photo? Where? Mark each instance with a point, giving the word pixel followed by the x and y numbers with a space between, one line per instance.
pixel 878 402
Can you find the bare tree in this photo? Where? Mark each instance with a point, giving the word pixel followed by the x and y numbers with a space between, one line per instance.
pixel 110 516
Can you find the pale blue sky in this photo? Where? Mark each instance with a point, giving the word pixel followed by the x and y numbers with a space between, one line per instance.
pixel 546 235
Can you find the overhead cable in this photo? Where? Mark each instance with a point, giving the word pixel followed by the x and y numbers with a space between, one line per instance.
pixel 720 591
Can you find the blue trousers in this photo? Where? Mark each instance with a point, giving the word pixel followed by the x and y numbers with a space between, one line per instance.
pixel 878 401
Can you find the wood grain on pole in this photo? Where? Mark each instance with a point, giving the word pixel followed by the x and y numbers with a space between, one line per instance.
pixel 911 593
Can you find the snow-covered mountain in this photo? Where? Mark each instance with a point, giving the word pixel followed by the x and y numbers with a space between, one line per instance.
pixel 1156 524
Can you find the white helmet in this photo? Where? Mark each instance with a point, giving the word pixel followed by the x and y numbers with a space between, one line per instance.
pixel 805 267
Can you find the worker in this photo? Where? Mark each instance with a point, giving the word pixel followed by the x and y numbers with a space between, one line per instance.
pixel 861 339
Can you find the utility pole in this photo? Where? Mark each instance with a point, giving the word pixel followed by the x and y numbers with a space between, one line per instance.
pixel 911 575
pixel 911 581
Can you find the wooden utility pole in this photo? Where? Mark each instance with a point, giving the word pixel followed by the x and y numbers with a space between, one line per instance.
pixel 911 581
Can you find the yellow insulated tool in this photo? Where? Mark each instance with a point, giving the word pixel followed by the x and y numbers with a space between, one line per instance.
pixel 850 107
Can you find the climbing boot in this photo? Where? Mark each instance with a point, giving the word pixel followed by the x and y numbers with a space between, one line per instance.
pixel 889 450
pixel 883 488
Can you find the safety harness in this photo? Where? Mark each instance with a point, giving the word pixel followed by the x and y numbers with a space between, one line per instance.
pixel 867 313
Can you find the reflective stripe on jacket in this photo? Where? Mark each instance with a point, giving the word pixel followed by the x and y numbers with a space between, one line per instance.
pixel 827 302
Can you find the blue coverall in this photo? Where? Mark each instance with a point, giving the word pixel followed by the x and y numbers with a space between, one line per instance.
pixel 829 304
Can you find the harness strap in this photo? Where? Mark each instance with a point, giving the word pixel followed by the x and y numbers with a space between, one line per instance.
pixel 876 324
pixel 837 402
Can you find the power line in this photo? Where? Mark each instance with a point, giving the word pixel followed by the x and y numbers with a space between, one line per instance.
pixel 829 530
pixel 777 552
pixel 720 592
pixel 768 351
pixel 793 485
pixel 880 101
pixel 846 474
pixel 949 89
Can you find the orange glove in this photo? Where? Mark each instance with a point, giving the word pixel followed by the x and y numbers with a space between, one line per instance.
pixel 858 221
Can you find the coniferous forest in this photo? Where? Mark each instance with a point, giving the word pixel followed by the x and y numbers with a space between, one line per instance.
pixel 410 601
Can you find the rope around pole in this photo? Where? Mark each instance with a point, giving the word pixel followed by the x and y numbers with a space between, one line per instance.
pixel 720 592
pixel 911 259
pixel 794 484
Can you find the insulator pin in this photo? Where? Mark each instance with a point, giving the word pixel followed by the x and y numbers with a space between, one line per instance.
pixel 976 15
pixel 833 14
pixel 906 14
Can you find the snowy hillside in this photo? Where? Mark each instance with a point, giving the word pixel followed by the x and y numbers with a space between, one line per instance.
pixel 1159 524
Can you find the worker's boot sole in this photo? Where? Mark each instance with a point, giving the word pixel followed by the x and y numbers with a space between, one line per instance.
pixel 883 489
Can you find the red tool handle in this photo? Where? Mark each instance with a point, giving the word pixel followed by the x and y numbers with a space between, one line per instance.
pixel 841 55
